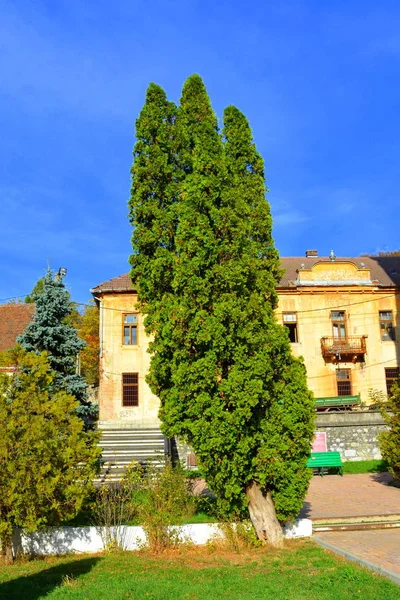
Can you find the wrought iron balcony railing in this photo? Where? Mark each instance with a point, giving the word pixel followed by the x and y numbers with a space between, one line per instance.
pixel 355 345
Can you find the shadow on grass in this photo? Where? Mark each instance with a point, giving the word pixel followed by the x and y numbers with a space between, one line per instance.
pixel 380 466
pixel 39 585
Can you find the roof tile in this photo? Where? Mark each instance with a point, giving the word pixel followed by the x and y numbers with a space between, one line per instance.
pixel 385 271
pixel 13 320
pixel 122 283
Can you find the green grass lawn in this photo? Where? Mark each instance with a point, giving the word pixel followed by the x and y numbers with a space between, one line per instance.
pixel 302 571
pixel 365 466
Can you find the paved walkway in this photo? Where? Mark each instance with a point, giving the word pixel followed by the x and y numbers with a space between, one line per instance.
pixel 379 547
pixel 334 497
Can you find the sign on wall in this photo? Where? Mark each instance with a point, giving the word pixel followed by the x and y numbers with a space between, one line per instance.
pixel 319 443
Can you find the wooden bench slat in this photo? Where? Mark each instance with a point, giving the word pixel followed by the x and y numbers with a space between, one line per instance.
pixel 320 460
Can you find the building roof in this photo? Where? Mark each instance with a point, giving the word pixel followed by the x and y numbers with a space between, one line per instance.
pixel 13 320
pixel 385 272
pixel 122 283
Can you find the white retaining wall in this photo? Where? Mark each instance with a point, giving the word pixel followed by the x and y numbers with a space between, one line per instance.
pixel 91 539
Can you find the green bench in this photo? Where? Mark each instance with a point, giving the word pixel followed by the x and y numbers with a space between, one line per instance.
pixel 337 403
pixel 322 460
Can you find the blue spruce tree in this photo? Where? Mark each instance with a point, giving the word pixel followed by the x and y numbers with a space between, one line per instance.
pixel 50 332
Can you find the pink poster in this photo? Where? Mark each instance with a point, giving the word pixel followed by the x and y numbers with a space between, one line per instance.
pixel 319 444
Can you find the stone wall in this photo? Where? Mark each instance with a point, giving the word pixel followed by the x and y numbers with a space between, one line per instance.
pixel 353 434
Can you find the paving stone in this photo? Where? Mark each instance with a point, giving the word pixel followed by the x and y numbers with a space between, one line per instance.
pixel 365 495
pixel 381 547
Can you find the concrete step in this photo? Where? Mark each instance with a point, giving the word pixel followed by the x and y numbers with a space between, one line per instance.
pixel 138 451
pixel 132 435
pixel 119 443
pixel 128 457
pixel 122 446
pixel 357 526
pixel 131 431
pixel 126 440
pixel 356 523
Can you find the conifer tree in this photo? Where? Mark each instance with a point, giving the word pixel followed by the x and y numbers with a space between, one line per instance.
pixel 47 461
pixel 88 330
pixel 153 196
pixel 49 332
pixel 37 289
pixel 153 212
pixel 389 440
pixel 221 365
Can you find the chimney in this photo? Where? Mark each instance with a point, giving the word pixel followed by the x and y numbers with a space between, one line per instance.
pixel 311 253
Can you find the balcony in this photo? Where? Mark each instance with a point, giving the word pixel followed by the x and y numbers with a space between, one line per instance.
pixel 338 349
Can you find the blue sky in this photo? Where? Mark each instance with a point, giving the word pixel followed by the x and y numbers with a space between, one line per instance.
pixel 319 82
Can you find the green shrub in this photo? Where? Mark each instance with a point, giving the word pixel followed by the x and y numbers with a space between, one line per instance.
pixel 166 501
pixel 390 440
pixel 113 507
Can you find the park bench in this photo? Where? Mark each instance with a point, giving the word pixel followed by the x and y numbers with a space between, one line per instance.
pixel 325 460
pixel 337 403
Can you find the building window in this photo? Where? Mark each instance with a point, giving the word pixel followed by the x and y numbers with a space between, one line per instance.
pixel 392 375
pixel 338 318
pixel 343 382
pixel 129 334
pixel 191 461
pixel 290 321
pixel 386 325
pixel 130 389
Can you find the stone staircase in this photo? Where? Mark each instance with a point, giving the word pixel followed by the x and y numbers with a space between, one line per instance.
pixel 122 446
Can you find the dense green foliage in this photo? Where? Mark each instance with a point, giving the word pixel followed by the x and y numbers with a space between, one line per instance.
pixel 5 358
pixel 47 461
pixel 155 498
pixel 87 327
pixel 49 332
pixel 154 186
pixel 303 571
pixel 86 323
pixel 221 364
pixel 389 441
pixel 37 289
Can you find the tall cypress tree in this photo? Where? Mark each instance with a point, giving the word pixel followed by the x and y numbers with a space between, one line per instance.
pixel 221 364
pixel 153 213
pixel 153 196
pixel 282 411
pixel 50 332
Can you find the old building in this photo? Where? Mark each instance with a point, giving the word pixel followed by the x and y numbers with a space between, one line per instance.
pixel 342 317
pixel 13 320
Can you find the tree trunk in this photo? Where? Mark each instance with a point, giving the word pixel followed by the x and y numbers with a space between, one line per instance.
pixel 8 549
pixel 263 516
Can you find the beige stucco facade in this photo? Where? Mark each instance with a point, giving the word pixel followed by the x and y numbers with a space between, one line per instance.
pixel 324 290
pixel 313 296
pixel 117 358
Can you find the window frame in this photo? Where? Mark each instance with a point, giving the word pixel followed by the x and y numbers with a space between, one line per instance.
pixel 131 326
pixel 294 323
pixel 128 385
pixel 393 379
pixel 339 322
pixel 346 380
pixel 389 331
